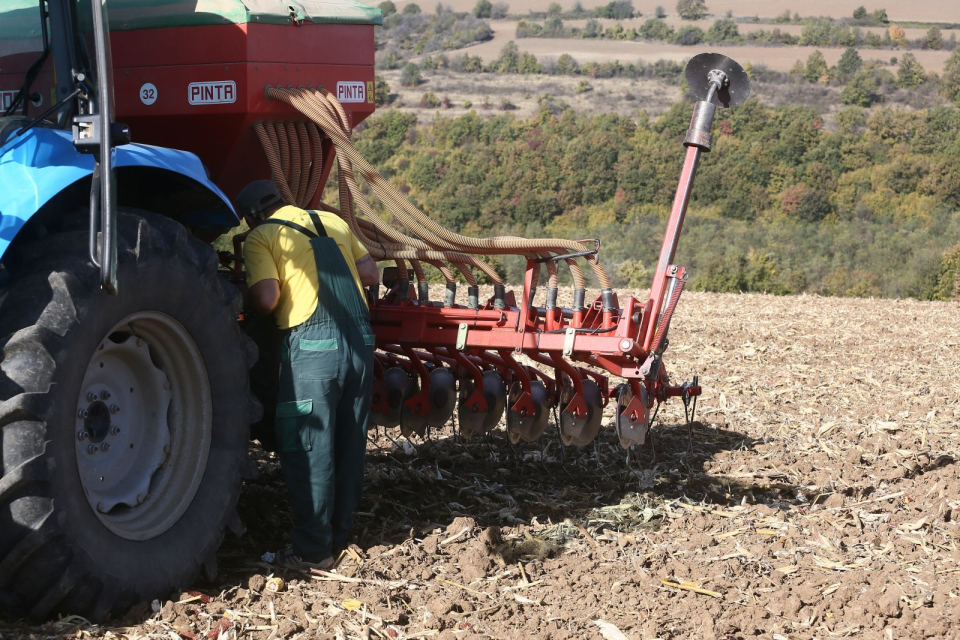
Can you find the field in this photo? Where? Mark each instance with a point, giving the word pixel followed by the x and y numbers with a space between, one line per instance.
pixel 819 500
pixel 919 10
pixel 776 58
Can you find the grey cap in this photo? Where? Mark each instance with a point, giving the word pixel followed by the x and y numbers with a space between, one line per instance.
pixel 257 197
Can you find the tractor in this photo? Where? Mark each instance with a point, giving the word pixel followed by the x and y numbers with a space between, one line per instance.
pixel 129 372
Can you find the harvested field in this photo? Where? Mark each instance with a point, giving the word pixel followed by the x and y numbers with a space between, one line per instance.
pixel 900 11
pixel 611 95
pixel 776 58
pixel 911 33
pixel 819 499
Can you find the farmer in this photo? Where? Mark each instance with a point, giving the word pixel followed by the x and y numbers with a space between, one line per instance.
pixel 309 270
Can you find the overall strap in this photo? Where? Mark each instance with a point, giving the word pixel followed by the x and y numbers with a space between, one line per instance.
pixel 321 231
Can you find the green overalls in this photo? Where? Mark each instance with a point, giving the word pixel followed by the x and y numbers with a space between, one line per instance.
pixel 323 407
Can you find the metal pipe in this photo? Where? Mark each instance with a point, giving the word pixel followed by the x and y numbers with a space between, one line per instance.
pixel 670 240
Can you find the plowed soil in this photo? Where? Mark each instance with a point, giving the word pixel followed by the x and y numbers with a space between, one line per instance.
pixel 817 497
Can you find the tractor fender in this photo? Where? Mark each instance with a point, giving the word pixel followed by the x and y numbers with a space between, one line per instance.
pixel 42 163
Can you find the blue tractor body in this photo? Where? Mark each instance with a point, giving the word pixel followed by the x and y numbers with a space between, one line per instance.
pixel 41 163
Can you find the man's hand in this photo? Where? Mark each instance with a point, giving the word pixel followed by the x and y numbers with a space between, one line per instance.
pixel 367 270
pixel 265 296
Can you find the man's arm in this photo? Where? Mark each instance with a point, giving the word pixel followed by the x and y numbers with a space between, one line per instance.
pixel 265 296
pixel 367 270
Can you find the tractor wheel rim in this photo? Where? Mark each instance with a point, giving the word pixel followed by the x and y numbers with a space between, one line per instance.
pixel 144 424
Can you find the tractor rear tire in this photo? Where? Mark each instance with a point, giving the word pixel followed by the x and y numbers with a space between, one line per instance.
pixel 82 532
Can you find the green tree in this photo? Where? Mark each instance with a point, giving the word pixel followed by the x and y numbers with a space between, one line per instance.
pixel 723 30
pixel 554 9
pixel 850 62
pixel 482 9
pixel 692 9
pixel 659 12
pixel 387 8
pixel 880 16
pixel 566 65
pixel 933 39
pixel 863 89
pixel 948 280
pixel 860 13
pixel 509 60
pixel 500 11
pixel 816 69
pixel 411 9
pixel 633 273
pixel 410 75
pixel 689 35
pixel 381 91
pixel 592 29
pixel 910 74
pixel 950 80
pixel 654 29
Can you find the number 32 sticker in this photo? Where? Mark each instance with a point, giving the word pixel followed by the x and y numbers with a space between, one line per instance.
pixel 148 94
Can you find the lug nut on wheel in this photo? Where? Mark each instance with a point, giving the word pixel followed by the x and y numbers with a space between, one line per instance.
pixel 82 414
pixel 115 430
pixel 114 409
pixel 105 394
pixel 92 449
pixel 82 435
pixel 91 396
pixel 105 446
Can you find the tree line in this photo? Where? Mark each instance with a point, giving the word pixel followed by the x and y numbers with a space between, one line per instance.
pixel 781 205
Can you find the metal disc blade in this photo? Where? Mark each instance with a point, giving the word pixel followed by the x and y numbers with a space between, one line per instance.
pixel 571 428
pixel 411 423
pixel 396 381
pixel 470 421
pixel 443 396
pixel 630 431
pixel 528 428
pixel 496 394
pixel 734 92
pixel 581 431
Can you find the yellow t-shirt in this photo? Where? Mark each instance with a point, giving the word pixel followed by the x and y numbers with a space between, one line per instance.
pixel 276 252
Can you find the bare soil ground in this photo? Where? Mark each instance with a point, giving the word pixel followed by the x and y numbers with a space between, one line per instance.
pixel 819 500
pixel 776 58
pixel 897 10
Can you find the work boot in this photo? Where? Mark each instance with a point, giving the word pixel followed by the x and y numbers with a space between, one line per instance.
pixel 288 559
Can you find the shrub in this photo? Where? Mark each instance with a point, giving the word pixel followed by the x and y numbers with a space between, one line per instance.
pixel 910 74
pixel 692 9
pixel 616 10
pixel 863 89
pixel 411 9
pixel 429 100
pixel 483 9
pixel 950 80
pixel 849 63
pixel 948 280
pixel 633 274
pixel 381 92
pixel 500 11
pixel 723 30
pixel 860 13
pixel 583 86
pixel 654 29
pixel 410 76
pixel 689 35
pixel 816 69
pixel 387 8
pixel 659 12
